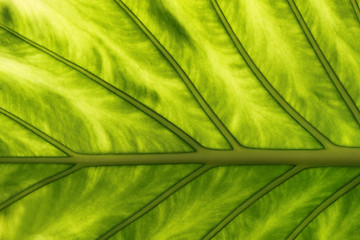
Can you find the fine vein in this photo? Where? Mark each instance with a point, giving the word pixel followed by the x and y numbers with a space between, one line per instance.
pixel 253 199
pixel 267 85
pixel 324 205
pixel 163 121
pixel 38 132
pixel 334 78
pixel 208 110
pixel 39 185
pixel 356 9
pixel 157 201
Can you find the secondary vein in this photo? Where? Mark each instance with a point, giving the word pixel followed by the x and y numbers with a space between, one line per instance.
pixel 39 185
pixel 331 73
pixel 157 201
pixel 289 174
pixel 39 133
pixel 356 9
pixel 342 191
pixel 266 84
pixel 163 121
pixel 202 102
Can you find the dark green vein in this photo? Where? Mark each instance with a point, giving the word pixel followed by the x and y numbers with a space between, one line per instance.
pixel 163 121
pixel 208 110
pixel 39 133
pixel 272 91
pixel 157 201
pixel 342 191
pixel 356 9
pixel 39 185
pixel 334 78
pixel 289 174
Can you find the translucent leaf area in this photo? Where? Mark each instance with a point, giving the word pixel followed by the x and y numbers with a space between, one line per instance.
pixel 86 203
pixel 179 119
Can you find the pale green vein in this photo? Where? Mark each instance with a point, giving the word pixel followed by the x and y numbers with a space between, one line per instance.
pixel 163 121
pixel 157 201
pixel 208 110
pixel 39 133
pixel 342 191
pixel 334 78
pixel 272 91
pixel 289 174
pixel 356 9
pixel 39 185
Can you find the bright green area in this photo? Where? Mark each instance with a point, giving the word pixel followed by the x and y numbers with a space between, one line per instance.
pixel 198 207
pixel 16 177
pixel 275 41
pixel 87 118
pixel 72 108
pixel 15 140
pixel 122 55
pixel 338 222
pixel 104 40
pixel 192 32
pixel 279 212
pixel 87 203
pixel 335 27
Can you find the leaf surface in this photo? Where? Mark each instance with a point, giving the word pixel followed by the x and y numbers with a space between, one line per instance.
pixel 217 192
pixel 87 202
pixel 179 119
pixel 332 223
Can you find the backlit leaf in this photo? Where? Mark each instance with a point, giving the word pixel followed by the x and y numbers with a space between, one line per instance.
pixel 179 119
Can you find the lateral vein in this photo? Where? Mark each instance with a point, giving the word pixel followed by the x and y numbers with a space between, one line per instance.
pixel 341 192
pixel 266 84
pixel 356 9
pixel 202 102
pixel 329 70
pixel 286 176
pixel 39 133
pixel 157 201
pixel 39 185
pixel 150 112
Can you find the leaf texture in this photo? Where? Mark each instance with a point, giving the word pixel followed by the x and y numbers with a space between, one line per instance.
pixel 179 119
pixel 87 202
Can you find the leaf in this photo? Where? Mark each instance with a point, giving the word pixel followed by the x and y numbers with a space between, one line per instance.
pixel 172 119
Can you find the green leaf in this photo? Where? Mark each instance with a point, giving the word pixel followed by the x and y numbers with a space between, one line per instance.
pixel 179 119
pixel 88 202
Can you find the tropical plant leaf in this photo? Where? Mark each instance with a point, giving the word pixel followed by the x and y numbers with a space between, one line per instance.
pixel 179 119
